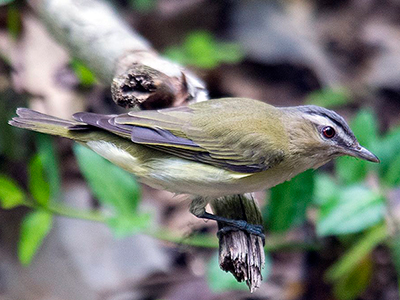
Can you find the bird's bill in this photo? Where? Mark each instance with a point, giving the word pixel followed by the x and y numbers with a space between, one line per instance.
pixel 363 153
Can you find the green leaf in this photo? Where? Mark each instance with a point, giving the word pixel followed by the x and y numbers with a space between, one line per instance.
pixel 111 185
pixel 326 189
pixel 288 202
pixel 365 127
pixel 11 195
pixel 34 228
pixel 361 249
pixel 48 157
pixel 201 49
pixel 38 186
pixel 352 284
pixel 387 149
pixel 12 138
pixel 354 209
pixel 85 76
pixel 221 281
pixel 392 176
pixel 329 97
pixel 351 170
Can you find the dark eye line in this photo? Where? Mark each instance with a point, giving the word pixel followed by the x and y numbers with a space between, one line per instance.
pixel 341 142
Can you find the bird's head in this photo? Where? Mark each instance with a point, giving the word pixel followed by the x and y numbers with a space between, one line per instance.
pixel 322 134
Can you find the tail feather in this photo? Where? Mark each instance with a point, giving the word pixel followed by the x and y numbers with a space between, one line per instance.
pixel 36 121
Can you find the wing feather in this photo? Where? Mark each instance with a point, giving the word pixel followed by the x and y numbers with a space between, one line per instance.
pixel 213 132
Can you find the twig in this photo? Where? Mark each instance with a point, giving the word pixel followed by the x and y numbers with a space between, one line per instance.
pixel 274 243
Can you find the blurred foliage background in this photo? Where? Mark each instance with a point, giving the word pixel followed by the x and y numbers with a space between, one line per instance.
pixel 73 226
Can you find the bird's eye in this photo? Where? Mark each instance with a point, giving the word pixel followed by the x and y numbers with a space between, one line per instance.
pixel 328 132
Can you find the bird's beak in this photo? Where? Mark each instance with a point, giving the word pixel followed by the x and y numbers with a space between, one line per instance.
pixel 363 153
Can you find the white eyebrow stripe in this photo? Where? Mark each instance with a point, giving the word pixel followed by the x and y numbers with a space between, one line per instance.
pixel 321 120
pixel 326 121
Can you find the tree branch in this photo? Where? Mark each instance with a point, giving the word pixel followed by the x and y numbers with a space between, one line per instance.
pixel 97 36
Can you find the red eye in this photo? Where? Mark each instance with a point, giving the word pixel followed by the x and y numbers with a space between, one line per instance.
pixel 328 132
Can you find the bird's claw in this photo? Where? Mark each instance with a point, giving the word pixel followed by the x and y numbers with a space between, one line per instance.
pixel 257 230
pixel 235 225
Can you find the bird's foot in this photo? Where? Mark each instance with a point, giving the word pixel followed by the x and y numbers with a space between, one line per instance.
pixel 235 225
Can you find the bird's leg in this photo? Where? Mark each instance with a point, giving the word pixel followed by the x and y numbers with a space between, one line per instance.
pixel 197 208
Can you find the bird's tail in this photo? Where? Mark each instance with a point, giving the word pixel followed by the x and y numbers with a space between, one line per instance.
pixel 36 121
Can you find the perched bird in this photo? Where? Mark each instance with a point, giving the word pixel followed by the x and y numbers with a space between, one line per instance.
pixel 210 149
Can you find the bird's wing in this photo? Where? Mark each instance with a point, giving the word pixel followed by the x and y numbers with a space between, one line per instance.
pixel 214 133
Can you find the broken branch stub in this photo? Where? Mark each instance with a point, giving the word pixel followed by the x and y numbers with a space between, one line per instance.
pixel 148 81
pixel 240 253
pixel 147 88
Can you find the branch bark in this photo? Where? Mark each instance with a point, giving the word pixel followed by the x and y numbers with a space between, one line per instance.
pixel 240 253
pixel 96 35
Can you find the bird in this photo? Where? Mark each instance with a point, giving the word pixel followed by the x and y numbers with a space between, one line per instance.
pixel 210 149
